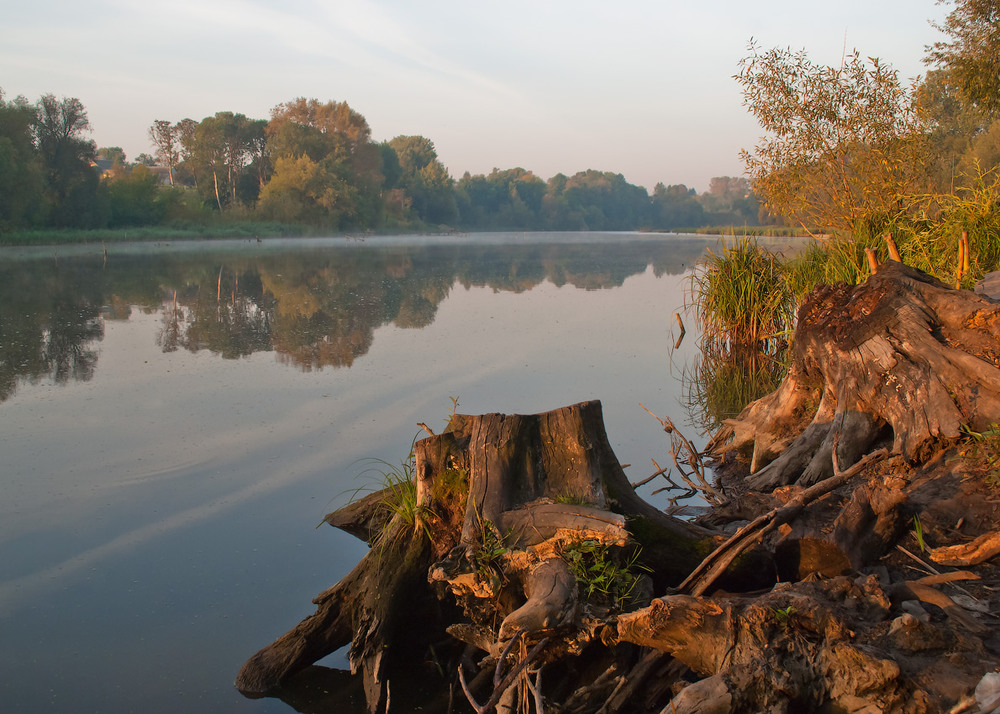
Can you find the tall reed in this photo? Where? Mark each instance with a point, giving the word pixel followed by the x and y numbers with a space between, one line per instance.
pixel 742 295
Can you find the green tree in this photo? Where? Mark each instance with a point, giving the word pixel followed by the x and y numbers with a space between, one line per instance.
pixel 602 200
pixel 508 199
pixel 132 198
pixel 425 180
pixel 166 138
pixel 71 182
pixel 259 154
pixel 971 54
pixel 21 184
pixel 676 206
pixel 841 144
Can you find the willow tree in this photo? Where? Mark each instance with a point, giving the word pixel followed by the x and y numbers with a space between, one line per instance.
pixel 841 145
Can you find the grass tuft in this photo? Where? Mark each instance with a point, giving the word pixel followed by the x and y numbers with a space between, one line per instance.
pixel 601 572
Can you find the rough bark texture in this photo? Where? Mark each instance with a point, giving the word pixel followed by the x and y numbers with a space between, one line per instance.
pixel 901 357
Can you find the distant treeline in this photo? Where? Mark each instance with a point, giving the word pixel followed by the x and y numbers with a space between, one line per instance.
pixel 314 165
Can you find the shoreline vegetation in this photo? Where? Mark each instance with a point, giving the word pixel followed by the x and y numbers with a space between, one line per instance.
pixel 261 229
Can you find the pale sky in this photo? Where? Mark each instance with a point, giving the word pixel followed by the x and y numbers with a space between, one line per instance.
pixel 643 88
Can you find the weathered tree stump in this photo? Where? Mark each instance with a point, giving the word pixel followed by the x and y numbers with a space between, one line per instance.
pixel 900 357
pixel 500 499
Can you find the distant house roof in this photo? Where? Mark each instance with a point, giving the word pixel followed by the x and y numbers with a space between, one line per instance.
pixel 103 166
pixel 162 172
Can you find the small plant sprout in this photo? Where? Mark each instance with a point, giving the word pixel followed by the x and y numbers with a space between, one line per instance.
pixel 784 614
pixel 918 533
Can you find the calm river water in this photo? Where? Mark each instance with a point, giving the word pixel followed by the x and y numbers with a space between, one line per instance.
pixel 175 419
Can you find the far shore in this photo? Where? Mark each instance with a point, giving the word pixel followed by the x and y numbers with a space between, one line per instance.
pixel 261 230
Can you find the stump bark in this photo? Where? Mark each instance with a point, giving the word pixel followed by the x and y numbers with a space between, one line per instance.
pixel 901 358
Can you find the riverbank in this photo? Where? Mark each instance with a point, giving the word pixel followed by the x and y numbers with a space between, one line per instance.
pixel 257 229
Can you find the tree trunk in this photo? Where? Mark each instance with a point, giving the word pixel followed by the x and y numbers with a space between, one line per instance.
pixel 900 357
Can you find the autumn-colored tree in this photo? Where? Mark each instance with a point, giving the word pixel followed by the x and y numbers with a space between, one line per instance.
pixel 841 144
pixel 311 142
pixel 305 191
pixel 971 54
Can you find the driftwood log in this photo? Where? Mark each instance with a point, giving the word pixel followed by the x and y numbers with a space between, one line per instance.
pixel 525 568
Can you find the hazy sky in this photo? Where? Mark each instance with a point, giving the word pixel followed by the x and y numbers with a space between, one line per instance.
pixel 642 88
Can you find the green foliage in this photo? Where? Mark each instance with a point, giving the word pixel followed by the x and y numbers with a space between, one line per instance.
pixel 601 572
pixel 492 546
pixel 21 178
pixel 132 199
pixel 742 296
pixel 302 190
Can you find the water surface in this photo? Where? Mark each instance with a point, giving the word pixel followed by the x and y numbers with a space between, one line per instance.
pixel 175 419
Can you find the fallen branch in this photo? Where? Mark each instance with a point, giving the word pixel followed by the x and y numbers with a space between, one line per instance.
pixel 682 450
pixel 702 577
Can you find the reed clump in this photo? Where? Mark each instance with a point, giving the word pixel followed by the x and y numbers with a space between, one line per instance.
pixel 743 296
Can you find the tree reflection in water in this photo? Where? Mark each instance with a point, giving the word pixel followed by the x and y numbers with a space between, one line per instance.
pixel 49 325
pixel 314 307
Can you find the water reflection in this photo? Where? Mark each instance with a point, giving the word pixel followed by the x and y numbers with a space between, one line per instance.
pixel 50 324
pixel 314 308
pixel 725 379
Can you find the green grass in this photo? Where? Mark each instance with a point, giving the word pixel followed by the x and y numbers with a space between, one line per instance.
pixel 742 295
pixel 174 232
pixel 601 572
pixel 982 452
pixel 918 533
pixel 492 546
pixel 398 487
